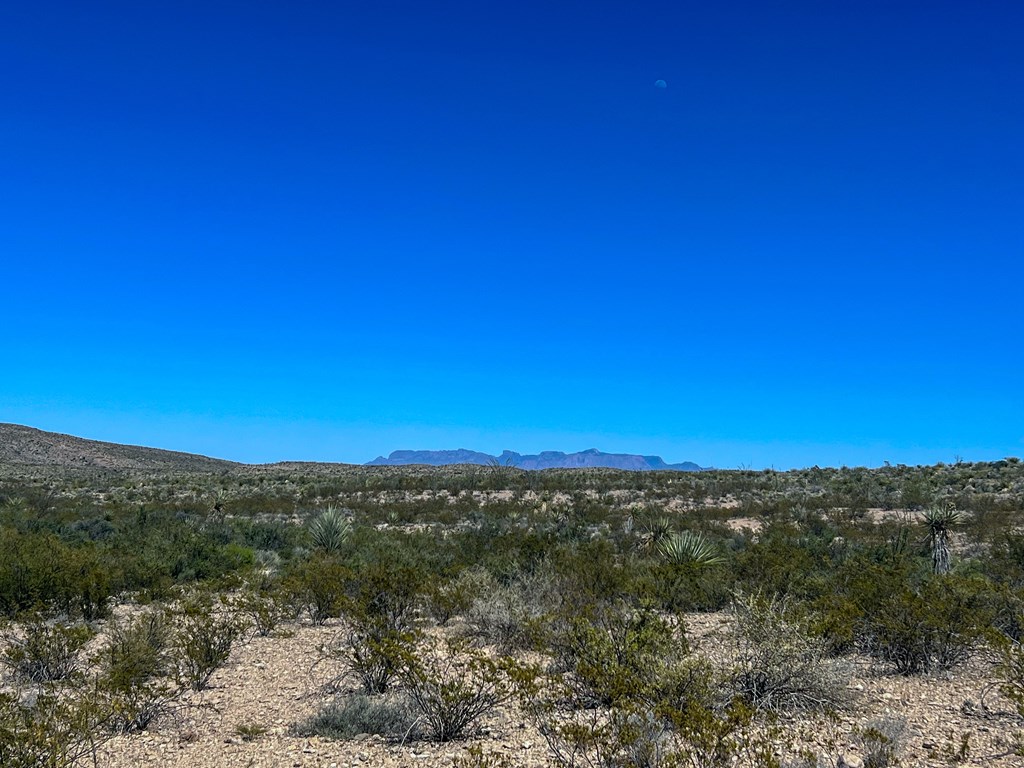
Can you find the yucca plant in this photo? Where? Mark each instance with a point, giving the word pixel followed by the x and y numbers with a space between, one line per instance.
pixel 656 530
pixel 689 547
pixel 940 522
pixel 330 530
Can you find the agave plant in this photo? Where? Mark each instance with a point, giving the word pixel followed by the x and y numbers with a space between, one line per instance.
pixel 940 521
pixel 330 530
pixel 689 547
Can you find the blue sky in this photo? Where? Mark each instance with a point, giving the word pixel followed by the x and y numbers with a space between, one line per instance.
pixel 326 231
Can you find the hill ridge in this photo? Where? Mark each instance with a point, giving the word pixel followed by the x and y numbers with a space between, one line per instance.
pixel 30 447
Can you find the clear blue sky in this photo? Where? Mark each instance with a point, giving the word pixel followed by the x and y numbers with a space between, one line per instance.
pixel 327 230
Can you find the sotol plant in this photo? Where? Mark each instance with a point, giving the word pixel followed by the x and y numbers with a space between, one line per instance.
pixel 689 547
pixel 330 530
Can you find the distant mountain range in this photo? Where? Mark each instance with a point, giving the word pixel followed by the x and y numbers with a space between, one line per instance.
pixel 22 446
pixel 544 460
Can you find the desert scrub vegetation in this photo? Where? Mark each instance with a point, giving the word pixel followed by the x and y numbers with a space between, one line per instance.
pixel 780 664
pixel 346 717
pixel 45 650
pixel 123 592
pixel 203 637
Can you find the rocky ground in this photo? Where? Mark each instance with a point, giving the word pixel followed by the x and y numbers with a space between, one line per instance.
pixel 272 683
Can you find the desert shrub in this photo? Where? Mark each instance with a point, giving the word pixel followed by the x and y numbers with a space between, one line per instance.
pixel 692 734
pixel 780 664
pixel 623 692
pixel 46 650
pixel 379 602
pixel 625 736
pixel 52 731
pixel 249 732
pixel 203 638
pixel 618 654
pixel 40 571
pixel 317 586
pixel 350 716
pixel 452 686
pixel 508 615
pixel 272 536
pixel 778 563
pixel 881 741
pixel 264 610
pixel 475 757
pixel 91 581
pixel 834 619
pixel 686 586
pixel 370 651
pixel 384 593
pixel 592 573
pixel 447 599
pixel 134 665
pixel 1005 563
pixel 1010 670
pixel 934 626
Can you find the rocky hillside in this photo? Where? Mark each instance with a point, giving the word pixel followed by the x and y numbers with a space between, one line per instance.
pixel 25 446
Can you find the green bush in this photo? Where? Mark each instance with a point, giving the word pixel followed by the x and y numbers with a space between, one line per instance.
pixel 371 652
pixel 934 626
pixel 53 731
pixel 881 741
pixel 317 586
pixel 1010 670
pixel 133 669
pixel 447 599
pixel 203 638
pixel 618 655
pixel 386 594
pixel 263 609
pixel 451 686
pixel 46 651
pixel 508 615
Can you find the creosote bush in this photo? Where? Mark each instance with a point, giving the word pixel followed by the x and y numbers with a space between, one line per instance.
pixel 509 615
pixel 371 652
pixel 452 685
pixel 134 668
pixel 53 731
pixel 46 650
pixel 618 654
pixel 934 626
pixel 203 638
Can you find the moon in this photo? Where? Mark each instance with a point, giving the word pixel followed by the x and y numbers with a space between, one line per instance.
pixel 660 84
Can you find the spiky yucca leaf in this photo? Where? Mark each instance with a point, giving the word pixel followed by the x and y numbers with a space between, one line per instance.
pixel 330 530
pixel 689 547
pixel 656 529
pixel 940 521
